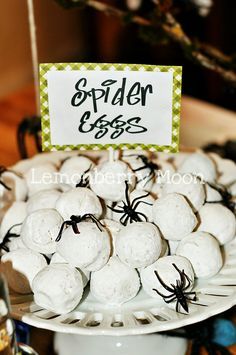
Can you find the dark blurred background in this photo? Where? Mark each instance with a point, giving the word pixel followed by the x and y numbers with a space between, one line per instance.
pixel 86 35
pixel 109 40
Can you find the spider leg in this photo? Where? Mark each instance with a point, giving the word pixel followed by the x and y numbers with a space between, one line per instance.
pixel 171 300
pixel 127 193
pixel 138 203
pixel 170 289
pixel 143 215
pixel 135 218
pixel 75 227
pixel 4 247
pixel 140 168
pixel 161 294
pixel 65 223
pixel 183 278
pixel 15 225
pixel 189 282
pixel 94 219
pixel 150 177
pixel 124 219
pixel 190 293
pixel 194 298
pixel 130 219
pixel 115 209
pixel 139 197
pixel 4 185
pixel 181 274
pixel 86 171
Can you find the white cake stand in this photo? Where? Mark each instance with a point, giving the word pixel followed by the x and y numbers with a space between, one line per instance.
pixel 139 317
pixel 142 315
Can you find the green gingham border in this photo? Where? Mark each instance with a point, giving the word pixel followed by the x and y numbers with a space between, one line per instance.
pixel 177 80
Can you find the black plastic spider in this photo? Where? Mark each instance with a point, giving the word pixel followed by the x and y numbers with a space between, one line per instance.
pixel 84 179
pixel 147 164
pixel 227 200
pixel 29 126
pixel 77 219
pixel 3 169
pixel 129 208
pixel 8 236
pixel 178 291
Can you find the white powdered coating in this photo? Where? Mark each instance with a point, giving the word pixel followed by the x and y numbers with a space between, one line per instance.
pixel 54 158
pixel 20 267
pixel 58 259
pixel 176 159
pixel 42 199
pixel 166 170
pixel 173 245
pixel 165 248
pixel 113 228
pixel 78 201
pixel 73 168
pixel 108 180
pixel 14 215
pixel 90 249
pixel 232 189
pixel 164 175
pixel 115 283
pixel 157 189
pixel 41 177
pixel 212 195
pixel 15 244
pixel 139 244
pixel 167 272
pixel 144 207
pixel 201 165
pixel 58 288
pixel 174 216
pixel 40 230
pixel 188 186
pixel 217 220
pixel 204 253
pixel 85 276
pixel 226 169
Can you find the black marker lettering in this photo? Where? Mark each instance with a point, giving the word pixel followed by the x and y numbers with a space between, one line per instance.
pixel 133 123
pixel 134 91
pixel 80 96
pixel 119 95
pixel 144 91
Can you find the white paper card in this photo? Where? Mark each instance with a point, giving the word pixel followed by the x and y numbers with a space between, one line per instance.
pixel 110 107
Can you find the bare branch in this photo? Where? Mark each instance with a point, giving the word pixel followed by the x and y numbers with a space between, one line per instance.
pixel 204 55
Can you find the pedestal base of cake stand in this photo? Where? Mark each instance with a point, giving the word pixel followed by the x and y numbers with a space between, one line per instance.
pixel 151 344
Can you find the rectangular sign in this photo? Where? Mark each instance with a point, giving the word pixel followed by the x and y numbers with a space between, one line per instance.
pixel 97 106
